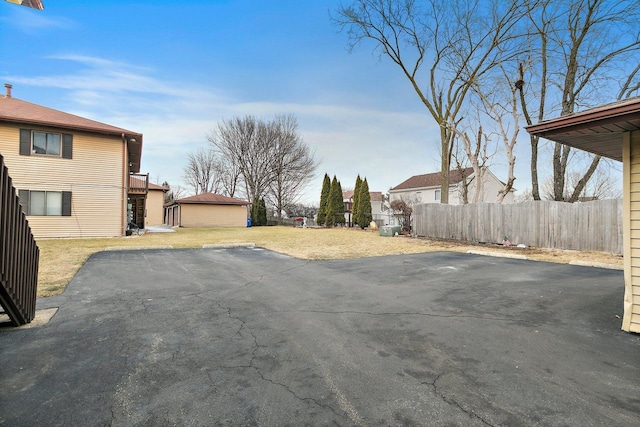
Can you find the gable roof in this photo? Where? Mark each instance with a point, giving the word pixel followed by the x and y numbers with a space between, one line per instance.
pixel 153 186
pixel 211 199
pixel 376 196
pixel 598 130
pixel 17 111
pixel 432 180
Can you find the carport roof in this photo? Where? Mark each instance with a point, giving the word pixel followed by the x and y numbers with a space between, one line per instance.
pixel 598 130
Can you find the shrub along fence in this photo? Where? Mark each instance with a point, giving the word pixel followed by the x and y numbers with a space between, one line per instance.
pixel 587 226
pixel 19 256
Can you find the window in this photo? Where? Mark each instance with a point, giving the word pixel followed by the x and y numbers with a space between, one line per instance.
pixel 437 198
pixel 46 144
pixel 45 203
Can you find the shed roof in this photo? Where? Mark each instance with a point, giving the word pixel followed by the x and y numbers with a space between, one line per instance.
pixel 598 130
pixel 17 111
pixel 211 199
pixel 432 180
pixel 134 181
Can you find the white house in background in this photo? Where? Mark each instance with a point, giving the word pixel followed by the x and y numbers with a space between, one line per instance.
pixel 426 188
pixel 377 207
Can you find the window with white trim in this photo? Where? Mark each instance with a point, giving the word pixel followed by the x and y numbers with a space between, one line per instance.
pixel 437 192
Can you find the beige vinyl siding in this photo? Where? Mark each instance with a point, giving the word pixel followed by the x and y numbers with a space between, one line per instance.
pixel 203 216
pixel 94 176
pixel 155 210
pixel 631 177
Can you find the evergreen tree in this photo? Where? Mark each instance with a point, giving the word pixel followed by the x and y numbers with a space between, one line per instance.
pixel 335 205
pixel 254 212
pixel 339 201
pixel 331 205
pixel 356 197
pixel 258 213
pixel 324 199
pixel 262 212
pixel 364 205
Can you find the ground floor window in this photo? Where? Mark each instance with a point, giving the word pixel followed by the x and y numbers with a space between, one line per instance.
pixel 45 203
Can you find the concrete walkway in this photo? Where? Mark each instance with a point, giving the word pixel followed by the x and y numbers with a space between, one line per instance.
pixel 245 336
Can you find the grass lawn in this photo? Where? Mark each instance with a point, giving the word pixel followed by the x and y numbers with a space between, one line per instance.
pixel 60 259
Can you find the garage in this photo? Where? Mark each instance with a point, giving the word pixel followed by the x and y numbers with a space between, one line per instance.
pixel 207 210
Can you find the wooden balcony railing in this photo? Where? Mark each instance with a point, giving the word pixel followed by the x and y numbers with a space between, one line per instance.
pixel 138 183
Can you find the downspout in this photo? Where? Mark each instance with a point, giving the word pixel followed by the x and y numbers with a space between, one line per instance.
pixel 123 201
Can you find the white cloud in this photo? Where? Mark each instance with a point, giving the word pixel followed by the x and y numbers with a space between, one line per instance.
pixel 32 21
pixel 175 117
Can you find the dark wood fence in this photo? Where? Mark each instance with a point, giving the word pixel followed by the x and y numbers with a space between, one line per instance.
pixel 19 256
pixel 588 226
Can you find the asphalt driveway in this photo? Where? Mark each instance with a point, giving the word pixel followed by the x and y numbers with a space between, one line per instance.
pixel 250 337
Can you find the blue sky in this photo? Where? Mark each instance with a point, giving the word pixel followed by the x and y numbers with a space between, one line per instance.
pixel 172 70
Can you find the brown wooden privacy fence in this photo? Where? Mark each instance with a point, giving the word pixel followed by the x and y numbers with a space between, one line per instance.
pixel 588 226
pixel 19 256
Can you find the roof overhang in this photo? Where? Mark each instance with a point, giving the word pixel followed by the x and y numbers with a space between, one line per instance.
pixel 597 131
pixel 134 149
pixel 33 4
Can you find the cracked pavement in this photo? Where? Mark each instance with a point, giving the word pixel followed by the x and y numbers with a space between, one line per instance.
pixel 245 336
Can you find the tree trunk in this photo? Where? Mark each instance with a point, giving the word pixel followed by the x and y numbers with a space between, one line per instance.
pixel 584 180
pixel 445 165
pixel 535 186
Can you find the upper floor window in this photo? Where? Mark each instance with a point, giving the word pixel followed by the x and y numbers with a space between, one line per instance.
pixel 437 192
pixel 46 143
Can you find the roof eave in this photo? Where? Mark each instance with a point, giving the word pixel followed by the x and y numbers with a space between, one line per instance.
pixel 114 132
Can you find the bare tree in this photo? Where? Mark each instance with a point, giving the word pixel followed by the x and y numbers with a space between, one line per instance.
pixel 457 42
pixel 601 186
pixel 301 210
pixel 173 193
pixel 246 142
pixel 203 171
pixel 582 46
pixel 230 175
pixel 403 210
pixel 268 157
pixel 293 164
pixel 500 105
pixel 476 153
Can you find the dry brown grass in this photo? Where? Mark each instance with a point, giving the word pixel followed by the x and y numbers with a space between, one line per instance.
pixel 60 259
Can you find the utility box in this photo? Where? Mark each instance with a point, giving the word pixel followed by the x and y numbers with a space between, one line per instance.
pixel 390 230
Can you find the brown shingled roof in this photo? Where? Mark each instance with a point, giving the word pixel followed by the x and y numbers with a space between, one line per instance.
pixel 22 112
pixel 153 186
pixel 16 110
pixel 211 199
pixel 376 196
pixel 432 180
pixel 136 182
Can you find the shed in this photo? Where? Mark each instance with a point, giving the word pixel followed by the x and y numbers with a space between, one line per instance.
pixel 207 210
pixel 613 131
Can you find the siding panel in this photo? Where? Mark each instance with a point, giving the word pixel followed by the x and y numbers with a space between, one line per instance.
pixel 94 177
pixel 203 216
pixel 631 145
